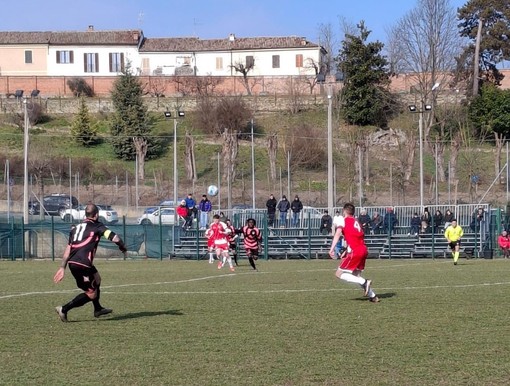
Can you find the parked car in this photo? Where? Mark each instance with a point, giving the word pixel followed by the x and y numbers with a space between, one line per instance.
pixel 54 204
pixel 165 216
pixel 166 203
pixel 107 214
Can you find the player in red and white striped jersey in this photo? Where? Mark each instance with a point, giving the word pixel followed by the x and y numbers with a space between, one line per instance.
pixel 251 241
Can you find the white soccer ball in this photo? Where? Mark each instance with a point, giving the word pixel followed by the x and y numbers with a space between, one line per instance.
pixel 212 190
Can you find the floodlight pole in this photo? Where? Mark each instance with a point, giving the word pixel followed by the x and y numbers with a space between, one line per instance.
pixel 25 163
pixel 420 129
pixel 252 167
pixel 330 152
pixel 175 162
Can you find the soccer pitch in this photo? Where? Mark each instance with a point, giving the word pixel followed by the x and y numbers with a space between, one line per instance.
pixel 291 323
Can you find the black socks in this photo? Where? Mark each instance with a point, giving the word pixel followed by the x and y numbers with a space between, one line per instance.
pixel 78 301
pixel 95 302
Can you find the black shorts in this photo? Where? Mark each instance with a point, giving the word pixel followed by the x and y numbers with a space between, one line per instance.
pixel 84 277
pixel 453 244
pixel 254 253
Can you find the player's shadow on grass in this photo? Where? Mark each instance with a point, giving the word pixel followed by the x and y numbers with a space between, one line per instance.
pixel 385 295
pixel 143 314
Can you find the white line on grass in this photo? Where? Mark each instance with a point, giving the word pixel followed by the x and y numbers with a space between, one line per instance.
pixel 22 294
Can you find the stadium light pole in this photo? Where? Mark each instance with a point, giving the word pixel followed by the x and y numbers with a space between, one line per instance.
pixel 414 109
pixel 25 162
pixel 168 115
pixel 330 151
pixel 252 167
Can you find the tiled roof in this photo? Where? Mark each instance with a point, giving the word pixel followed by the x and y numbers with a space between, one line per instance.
pixel 24 37
pixel 196 44
pixel 124 37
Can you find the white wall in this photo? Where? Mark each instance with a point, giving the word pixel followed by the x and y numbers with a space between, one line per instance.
pixel 77 68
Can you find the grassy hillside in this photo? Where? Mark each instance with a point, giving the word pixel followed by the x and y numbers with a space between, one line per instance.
pixel 51 140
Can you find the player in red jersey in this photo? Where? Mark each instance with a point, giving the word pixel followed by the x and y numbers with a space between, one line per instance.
pixel 251 241
pixel 353 261
pixel 219 233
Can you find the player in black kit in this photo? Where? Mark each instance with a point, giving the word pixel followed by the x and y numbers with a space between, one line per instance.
pixel 79 253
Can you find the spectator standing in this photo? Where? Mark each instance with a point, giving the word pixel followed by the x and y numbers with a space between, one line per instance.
pixel 448 217
pixel 364 220
pixel 296 207
pixel 478 222
pixel 437 220
pixel 390 221
pixel 415 225
pixel 338 221
pixel 283 208
pixel 504 244
pixel 326 224
pixel 192 206
pixel 205 207
pixel 376 223
pixel 271 204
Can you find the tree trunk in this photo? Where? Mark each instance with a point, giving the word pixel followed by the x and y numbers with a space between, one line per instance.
pixel 439 157
pixel 229 154
pixel 141 151
pixel 272 150
pixel 189 154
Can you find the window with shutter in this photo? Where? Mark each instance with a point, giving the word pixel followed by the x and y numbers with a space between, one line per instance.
pixel 299 60
pixel 276 61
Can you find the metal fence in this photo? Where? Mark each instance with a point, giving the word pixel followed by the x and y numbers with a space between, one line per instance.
pixel 48 238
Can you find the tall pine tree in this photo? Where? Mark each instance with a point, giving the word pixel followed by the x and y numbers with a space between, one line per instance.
pixel 366 96
pixel 82 129
pixel 131 119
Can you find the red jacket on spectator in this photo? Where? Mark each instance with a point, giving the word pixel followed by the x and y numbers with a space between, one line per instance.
pixel 504 241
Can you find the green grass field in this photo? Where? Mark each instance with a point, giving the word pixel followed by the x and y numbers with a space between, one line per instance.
pixel 291 323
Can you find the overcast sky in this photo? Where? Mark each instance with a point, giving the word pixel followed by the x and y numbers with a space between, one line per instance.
pixel 204 18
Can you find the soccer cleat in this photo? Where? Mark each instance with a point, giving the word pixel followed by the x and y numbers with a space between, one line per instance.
pixel 61 314
pixel 375 299
pixel 102 311
pixel 366 286
pixel 220 265
pixel 232 269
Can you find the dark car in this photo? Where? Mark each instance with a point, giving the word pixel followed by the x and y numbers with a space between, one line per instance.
pixel 53 205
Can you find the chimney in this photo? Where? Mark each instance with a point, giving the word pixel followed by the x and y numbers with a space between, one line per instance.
pixel 232 37
pixel 91 28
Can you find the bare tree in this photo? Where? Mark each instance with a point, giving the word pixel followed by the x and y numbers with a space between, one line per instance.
pixel 295 90
pixel 330 44
pixel 197 85
pixel 244 69
pixel 426 42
